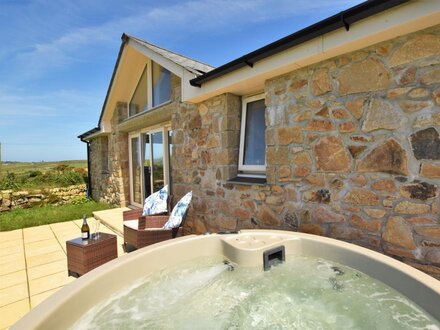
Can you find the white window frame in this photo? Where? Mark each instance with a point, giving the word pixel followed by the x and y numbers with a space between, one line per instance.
pixel 151 88
pixel 248 170
pixel 138 134
pixel 130 163
pixel 149 106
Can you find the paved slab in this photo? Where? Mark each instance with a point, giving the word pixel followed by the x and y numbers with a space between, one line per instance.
pixel 33 262
pixel 112 218
pixel 11 313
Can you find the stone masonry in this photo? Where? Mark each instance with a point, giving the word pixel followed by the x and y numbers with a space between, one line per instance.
pixel 10 199
pixel 109 154
pixel 109 163
pixel 352 152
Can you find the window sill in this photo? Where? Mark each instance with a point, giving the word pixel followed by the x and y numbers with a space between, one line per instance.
pixel 160 105
pixel 149 110
pixel 248 181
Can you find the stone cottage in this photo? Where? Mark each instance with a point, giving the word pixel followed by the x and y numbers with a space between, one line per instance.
pixel 332 130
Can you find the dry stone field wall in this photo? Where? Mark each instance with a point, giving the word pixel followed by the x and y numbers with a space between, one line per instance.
pixel 27 198
pixel 352 152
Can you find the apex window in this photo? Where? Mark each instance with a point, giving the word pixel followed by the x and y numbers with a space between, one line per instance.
pixel 161 85
pixel 139 99
pixel 252 156
pixel 152 90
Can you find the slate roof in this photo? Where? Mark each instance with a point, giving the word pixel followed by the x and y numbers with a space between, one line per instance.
pixel 189 64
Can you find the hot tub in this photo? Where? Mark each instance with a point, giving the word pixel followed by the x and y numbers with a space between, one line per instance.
pixel 245 249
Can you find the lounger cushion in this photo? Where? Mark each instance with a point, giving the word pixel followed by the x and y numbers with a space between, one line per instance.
pixel 178 212
pixel 133 224
pixel 156 203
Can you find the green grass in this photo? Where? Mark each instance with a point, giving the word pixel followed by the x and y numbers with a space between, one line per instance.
pixel 42 175
pixel 21 167
pixel 23 218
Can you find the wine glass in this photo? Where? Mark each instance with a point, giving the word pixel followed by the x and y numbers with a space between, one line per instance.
pixel 97 225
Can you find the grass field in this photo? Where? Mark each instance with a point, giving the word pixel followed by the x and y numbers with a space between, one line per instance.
pixel 41 175
pixel 21 167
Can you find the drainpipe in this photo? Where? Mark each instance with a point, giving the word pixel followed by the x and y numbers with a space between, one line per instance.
pixel 89 181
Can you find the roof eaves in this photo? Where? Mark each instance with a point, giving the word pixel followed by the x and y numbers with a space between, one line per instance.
pixel 124 39
pixel 343 19
pixel 89 133
pixel 190 64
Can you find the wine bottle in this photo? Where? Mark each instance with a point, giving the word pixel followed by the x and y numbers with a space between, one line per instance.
pixel 85 231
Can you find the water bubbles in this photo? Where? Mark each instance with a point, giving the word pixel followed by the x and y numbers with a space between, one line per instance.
pixel 213 293
pixel 335 284
pixel 338 270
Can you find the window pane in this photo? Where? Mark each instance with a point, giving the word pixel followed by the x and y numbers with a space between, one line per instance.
pixel 161 85
pixel 136 171
pixel 147 165
pixel 138 102
pixel 255 142
pixel 157 151
pixel 170 156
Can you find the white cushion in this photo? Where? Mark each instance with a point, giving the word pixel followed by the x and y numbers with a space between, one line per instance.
pixel 133 224
pixel 176 216
pixel 156 203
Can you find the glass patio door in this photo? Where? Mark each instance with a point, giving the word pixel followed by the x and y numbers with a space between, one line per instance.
pixel 157 157
pixel 135 171
pixel 149 170
pixel 147 165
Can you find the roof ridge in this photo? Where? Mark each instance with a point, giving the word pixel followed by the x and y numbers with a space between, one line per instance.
pixel 167 50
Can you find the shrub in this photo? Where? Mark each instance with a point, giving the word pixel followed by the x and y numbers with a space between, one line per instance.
pixel 61 168
pixel 81 171
pixel 69 178
pixel 33 174
pixel 9 181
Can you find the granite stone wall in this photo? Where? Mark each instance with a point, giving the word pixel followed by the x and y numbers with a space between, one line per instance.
pixel 110 172
pixel 109 163
pixel 352 152
pixel 10 199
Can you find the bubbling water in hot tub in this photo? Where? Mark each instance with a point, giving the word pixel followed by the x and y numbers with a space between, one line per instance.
pixel 303 293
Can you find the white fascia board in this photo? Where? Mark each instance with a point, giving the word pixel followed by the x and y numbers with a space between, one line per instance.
pixel 407 18
pixel 95 135
pixel 159 59
pixel 106 126
pixel 108 110
pixel 410 17
pixel 187 88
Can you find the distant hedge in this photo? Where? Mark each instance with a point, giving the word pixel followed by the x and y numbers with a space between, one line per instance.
pixel 60 176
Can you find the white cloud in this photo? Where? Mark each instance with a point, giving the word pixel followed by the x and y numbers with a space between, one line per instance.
pixel 195 17
pixel 45 40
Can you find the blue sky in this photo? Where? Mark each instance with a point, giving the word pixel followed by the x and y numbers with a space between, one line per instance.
pixel 57 57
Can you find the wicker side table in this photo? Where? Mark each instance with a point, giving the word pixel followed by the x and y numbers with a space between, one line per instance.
pixel 85 255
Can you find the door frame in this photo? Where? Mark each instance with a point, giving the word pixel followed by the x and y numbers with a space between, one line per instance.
pixel 132 136
pixel 141 152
